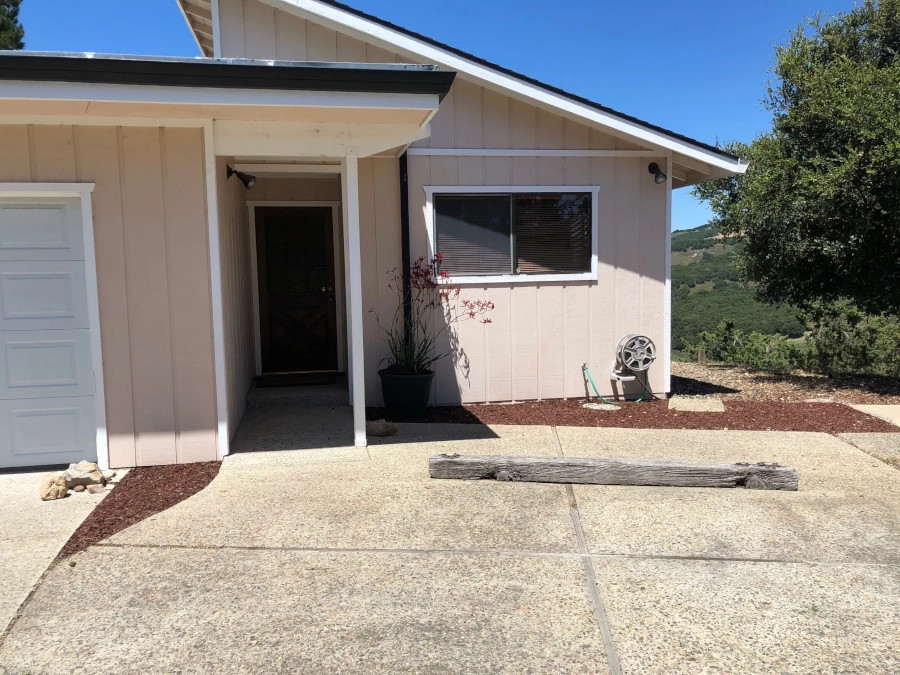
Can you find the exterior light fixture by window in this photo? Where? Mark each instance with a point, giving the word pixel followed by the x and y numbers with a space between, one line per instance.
pixel 248 180
pixel 659 175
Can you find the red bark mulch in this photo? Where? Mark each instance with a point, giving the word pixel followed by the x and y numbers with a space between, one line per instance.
pixel 141 493
pixel 832 418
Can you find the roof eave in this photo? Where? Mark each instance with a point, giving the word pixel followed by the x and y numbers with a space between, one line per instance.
pixel 224 73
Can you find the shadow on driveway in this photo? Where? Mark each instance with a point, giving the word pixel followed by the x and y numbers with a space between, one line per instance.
pixel 280 425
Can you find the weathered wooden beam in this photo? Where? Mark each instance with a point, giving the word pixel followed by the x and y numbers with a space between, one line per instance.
pixel 760 476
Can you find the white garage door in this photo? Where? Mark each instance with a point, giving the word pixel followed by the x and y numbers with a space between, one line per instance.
pixel 46 376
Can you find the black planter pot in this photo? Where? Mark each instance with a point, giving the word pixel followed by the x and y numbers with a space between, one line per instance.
pixel 405 394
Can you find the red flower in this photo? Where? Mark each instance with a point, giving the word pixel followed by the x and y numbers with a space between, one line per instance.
pixel 427 287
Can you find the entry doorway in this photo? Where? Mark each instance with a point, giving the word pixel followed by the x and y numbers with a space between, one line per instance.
pixel 298 303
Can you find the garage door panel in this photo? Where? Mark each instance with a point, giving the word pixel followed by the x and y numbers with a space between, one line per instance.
pixel 45 363
pixel 40 231
pixel 47 405
pixel 42 295
pixel 47 431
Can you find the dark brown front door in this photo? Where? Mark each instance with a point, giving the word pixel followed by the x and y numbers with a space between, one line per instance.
pixel 297 316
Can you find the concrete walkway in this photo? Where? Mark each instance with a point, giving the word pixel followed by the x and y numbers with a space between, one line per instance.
pixel 32 533
pixel 347 560
pixel 889 413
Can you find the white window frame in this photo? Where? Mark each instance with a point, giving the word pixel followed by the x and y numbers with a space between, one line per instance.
pixel 506 279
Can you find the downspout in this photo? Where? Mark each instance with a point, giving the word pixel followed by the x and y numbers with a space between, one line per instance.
pixel 405 262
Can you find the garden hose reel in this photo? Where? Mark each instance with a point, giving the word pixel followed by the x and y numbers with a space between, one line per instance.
pixel 635 353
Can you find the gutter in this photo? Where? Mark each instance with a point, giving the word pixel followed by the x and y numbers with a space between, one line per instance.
pixel 225 73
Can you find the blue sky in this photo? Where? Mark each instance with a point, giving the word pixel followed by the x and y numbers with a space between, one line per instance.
pixel 698 67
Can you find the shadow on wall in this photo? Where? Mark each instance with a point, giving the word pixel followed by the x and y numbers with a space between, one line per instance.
pixel 472 359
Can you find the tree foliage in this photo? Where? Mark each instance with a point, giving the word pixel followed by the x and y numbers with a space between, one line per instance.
pixel 12 34
pixel 819 206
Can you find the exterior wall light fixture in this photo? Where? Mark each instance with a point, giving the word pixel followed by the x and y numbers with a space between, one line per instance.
pixel 659 175
pixel 248 180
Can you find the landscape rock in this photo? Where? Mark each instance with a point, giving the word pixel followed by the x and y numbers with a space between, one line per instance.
pixel 381 428
pixel 95 489
pixel 696 404
pixel 84 473
pixel 53 486
pixel 78 488
pixel 601 406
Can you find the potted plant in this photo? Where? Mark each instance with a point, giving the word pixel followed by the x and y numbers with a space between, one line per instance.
pixel 432 307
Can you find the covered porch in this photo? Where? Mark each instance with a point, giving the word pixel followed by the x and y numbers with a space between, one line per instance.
pixel 307 141
pixel 297 204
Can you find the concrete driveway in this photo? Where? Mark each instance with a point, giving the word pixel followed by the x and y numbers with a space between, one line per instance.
pixel 346 560
pixel 32 533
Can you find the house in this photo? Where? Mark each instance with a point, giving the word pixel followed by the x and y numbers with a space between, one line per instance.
pixel 143 286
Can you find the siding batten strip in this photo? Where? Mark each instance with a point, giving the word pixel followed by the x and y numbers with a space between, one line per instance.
pixel 166 203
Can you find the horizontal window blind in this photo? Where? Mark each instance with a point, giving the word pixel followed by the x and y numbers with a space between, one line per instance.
pixel 553 233
pixel 473 233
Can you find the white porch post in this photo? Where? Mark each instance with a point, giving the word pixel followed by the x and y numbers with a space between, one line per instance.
pixel 353 261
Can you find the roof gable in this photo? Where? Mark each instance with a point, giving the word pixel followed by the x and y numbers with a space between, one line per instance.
pixel 355 23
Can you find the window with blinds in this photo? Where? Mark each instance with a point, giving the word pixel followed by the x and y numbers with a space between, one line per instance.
pixel 521 233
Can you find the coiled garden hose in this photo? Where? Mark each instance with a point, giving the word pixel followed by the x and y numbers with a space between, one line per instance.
pixel 587 372
pixel 645 391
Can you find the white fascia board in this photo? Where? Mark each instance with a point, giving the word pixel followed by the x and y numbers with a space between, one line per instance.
pixel 125 93
pixel 344 22
pixel 217 30
pixel 190 26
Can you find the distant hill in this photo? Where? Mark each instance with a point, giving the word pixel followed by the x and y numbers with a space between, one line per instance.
pixel 705 290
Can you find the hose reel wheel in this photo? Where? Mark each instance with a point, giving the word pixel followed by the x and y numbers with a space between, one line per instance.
pixel 636 352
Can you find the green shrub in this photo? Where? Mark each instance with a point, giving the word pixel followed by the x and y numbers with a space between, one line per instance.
pixel 754 350
pixel 841 340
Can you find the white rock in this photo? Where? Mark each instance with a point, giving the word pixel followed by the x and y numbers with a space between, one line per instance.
pixel 84 473
pixel 601 406
pixel 696 404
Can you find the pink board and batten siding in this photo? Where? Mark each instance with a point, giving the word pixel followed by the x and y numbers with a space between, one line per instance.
pixel 251 29
pixel 541 333
pixel 150 229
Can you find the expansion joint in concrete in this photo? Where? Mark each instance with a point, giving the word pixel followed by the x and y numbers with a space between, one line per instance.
pixel 612 654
